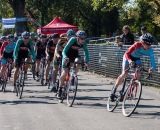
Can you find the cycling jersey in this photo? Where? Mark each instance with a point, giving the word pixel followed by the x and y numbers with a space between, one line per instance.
pixel 7 47
pixel 22 50
pixel 40 51
pixel 137 50
pixel 51 49
pixel 71 50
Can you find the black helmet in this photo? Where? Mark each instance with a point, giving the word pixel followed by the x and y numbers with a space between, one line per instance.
pixel 55 35
pixel 43 36
pixel 148 39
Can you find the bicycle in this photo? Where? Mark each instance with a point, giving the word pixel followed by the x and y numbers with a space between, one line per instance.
pixel 129 95
pixel 6 75
pixel 20 81
pixel 69 91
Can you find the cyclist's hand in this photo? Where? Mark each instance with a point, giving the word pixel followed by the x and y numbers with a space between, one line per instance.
pixel 150 70
pixel 131 64
pixel 66 60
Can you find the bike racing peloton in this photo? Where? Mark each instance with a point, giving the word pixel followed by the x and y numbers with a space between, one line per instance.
pixel 132 58
pixel 70 53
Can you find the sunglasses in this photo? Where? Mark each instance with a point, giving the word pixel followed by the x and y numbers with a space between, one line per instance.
pixel 147 43
pixel 82 39
pixel 26 37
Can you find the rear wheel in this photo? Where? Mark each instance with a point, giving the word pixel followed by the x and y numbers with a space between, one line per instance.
pixel 131 98
pixel 72 91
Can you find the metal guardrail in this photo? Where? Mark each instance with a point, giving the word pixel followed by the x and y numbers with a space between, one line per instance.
pixel 107 60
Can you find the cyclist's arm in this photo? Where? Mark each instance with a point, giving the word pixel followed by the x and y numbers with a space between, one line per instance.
pixel 132 49
pixel 3 47
pixel 68 46
pixel 15 53
pixel 152 60
pixel 32 51
pixel 85 48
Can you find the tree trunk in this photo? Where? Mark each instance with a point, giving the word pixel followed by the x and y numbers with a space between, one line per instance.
pixel 19 9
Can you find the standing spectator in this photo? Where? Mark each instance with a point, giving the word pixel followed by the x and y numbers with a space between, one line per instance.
pixel 127 37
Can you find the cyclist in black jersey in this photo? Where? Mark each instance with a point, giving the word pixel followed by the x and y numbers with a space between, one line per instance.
pixel 50 49
pixel 40 51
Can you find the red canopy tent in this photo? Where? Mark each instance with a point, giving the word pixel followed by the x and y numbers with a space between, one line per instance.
pixel 56 26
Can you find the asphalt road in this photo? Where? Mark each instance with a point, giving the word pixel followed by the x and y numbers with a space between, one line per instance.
pixel 40 110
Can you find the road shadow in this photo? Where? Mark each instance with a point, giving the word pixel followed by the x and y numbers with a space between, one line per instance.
pixel 92 90
pixel 89 105
pixel 91 98
pixel 93 84
pixel 17 102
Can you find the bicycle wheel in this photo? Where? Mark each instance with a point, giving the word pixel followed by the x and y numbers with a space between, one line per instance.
pixel 131 98
pixel 21 83
pixel 72 91
pixel 112 104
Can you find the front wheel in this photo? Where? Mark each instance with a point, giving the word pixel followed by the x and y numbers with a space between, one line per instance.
pixel 72 91
pixel 131 98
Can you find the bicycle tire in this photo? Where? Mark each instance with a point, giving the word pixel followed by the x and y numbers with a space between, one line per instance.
pixel 22 77
pixel 111 105
pixel 129 95
pixel 70 98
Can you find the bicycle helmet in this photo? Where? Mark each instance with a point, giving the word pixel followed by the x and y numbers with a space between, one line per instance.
pixel 32 34
pixel 10 36
pixel 3 38
pixel 55 35
pixel 71 33
pixel 81 34
pixel 43 36
pixel 148 39
pixel 25 34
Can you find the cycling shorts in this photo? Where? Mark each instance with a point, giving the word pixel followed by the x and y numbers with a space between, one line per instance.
pixel 125 63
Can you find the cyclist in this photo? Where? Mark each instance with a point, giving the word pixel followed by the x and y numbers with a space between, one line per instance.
pixel 40 52
pixel 50 49
pixel 22 49
pixel 58 58
pixel 132 57
pixel 6 52
pixel 71 53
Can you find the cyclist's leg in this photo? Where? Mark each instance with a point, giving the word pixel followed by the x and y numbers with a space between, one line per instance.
pixel 49 59
pixel 55 70
pixel 3 65
pixel 78 65
pixel 16 72
pixel 121 77
pixel 29 59
pixel 37 67
pixel 65 70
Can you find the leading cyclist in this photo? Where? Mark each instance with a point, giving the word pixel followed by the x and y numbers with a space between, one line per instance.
pixel 132 57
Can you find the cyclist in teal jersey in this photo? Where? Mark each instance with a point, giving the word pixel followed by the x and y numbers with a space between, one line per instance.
pixel 71 53
pixel 22 49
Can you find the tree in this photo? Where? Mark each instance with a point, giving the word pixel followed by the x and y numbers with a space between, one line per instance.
pixel 18 7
